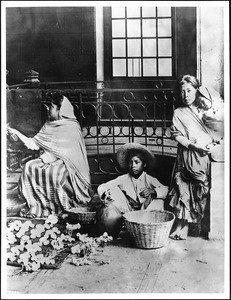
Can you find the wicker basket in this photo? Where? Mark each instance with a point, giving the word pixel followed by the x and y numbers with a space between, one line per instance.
pixel 150 229
pixel 82 215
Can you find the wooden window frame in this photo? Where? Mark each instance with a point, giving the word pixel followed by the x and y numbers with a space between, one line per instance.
pixel 108 62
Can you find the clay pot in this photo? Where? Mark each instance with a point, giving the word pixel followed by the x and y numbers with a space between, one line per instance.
pixel 109 219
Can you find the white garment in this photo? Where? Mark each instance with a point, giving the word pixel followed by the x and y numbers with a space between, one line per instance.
pixel 48 157
pixel 132 187
pixel 67 109
pixel 30 143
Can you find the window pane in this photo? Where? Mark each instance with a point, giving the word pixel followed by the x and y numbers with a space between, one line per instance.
pixel 149 47
pixel 165 67
pixel 165 47
pixel 133 11
pixel 148 11
pixel 118 28
pixel 164 27
pixel 164 11
pixel 149 67
pixel 133 28
pixel 134 47
pixel 119 67
pixel 118 48
pixel 149 28
pixel 134 67
pixel 118 12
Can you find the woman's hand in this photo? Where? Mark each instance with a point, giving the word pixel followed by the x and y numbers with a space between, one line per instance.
pixel 13 133
pixel 29 143
pixel 201 150
pixel 12 130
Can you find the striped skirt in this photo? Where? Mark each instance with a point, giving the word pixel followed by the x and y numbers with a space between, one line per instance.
pixel 43 187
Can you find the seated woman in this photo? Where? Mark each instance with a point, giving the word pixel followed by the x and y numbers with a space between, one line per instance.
pixel 60 178
pixel 136 189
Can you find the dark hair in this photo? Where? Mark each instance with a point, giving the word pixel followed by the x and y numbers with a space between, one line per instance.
pixel 57 99
pixel 182 80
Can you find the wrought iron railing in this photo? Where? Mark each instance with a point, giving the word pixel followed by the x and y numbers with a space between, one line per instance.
pixel 111 117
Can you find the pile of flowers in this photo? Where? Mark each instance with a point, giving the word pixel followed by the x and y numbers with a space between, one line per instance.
pixel 37 245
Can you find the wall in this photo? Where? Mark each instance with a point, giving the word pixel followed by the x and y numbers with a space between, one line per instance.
pixel 212 47
pixel 57 42
pixel 186 45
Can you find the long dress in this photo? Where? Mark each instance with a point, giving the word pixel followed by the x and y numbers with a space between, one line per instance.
pixel 44 185
pixel 190 184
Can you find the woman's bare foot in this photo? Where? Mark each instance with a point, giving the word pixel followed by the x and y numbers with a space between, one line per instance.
pixel 179 230
pixel 177 225
pixel 184 231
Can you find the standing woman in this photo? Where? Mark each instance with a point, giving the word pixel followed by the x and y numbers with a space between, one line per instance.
pixel 60 178
pixel 190 184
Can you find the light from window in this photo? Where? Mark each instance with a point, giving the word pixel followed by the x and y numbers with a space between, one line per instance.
pixel 118 12
pixel 134 47
pixel 118 48
pixel 118 28
pixel 164 27
pixel 165 47
pixel 142 41
pixel 148 12
pixel 150 67
pixel 149 28
pixel 133 28
pixel 133 12
pixel 165 67
pixel 149 47
pixel 119 67
pixel 134 67
pixel 164 12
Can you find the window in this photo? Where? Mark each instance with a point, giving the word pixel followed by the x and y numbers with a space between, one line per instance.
pixel 142 42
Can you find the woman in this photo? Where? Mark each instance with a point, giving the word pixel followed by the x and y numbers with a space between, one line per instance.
pixel 190 186
pixel 60 178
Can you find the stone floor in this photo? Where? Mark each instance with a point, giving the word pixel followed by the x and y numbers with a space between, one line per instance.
pixel 183 268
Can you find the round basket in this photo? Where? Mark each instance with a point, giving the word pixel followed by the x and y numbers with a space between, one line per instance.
pixel 150 229
pixel 82 215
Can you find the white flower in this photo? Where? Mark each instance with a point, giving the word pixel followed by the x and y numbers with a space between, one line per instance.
pixel 20 233
pixel 11 238
pixel 35 233
pixel 52 219
pixel 47 226
pixel 35 266
pixel 11 256
pixel 24 257
pixel 40 227
pixel 15 250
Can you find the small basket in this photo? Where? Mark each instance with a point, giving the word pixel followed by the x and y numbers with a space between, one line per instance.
pixel 150 229
pixel 82 215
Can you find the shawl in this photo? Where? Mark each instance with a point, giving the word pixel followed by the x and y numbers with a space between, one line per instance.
pixel 186 123
pixel 63 138
pixel 67 109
